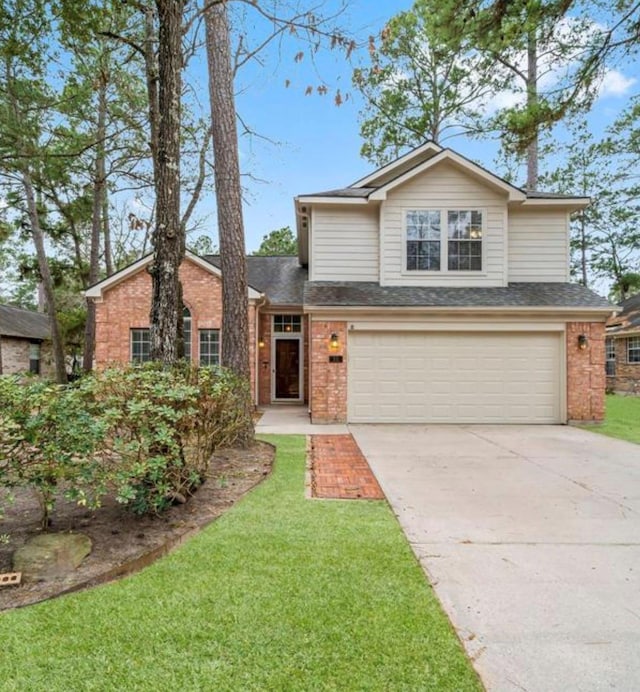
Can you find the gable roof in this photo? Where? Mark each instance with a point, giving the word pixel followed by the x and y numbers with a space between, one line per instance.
pixel 97 290
pixel 25 324
pixel 626 321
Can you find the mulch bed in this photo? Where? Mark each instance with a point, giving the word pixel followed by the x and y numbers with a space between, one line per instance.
pixel 122 542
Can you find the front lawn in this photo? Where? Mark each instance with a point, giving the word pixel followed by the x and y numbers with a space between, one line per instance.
pixel 281 593
pixel 622 418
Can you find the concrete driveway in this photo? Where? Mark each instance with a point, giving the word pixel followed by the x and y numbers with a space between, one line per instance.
pixel 531 538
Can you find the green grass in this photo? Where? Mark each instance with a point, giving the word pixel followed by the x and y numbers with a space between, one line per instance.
pixel 622 418
pixel 281 593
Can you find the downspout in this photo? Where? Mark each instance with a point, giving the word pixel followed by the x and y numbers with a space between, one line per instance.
pixel 260 302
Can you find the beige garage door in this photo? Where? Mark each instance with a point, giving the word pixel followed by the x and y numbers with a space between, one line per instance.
pixel 462 377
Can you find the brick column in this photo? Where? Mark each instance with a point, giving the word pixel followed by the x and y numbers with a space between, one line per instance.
pixel 586 372
pixel 328 396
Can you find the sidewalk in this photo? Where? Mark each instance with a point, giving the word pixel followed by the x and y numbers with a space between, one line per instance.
pixel 287 419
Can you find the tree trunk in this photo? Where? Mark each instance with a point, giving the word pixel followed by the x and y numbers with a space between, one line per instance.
pixel 106 232
pixel 168 238
pixel 47 281
pixel 583 249
pixel 233 263
pixel 532 102
pixel 99 182
pixel 1 372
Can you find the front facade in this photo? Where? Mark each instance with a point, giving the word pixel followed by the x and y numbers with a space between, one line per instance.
pixel 25 342
pixel 622 348
pixel 429 291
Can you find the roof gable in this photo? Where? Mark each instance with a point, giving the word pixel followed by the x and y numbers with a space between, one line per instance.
pixel 97 290
pixel 399 166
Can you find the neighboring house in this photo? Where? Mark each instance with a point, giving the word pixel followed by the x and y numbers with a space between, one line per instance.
pixel 25 341
pixel 429 291
pixel 623 348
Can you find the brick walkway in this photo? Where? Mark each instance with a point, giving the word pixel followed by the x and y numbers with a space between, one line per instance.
pixel 340 471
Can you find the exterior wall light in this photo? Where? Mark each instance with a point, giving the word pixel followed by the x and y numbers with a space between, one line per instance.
pixel 334 342
pixel 583 341
pixel 261 342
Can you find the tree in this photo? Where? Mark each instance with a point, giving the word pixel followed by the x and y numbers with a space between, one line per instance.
pixel 235 317
pixel 281 241
pixel 422 84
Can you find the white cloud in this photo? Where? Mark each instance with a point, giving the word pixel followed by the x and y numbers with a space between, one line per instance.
pixel 615 83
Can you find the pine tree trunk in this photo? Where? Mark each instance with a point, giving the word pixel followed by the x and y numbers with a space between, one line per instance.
pixel 233 263
pixel 47 281
pixel 532 102
pixel 106 232
pixel 99 182
pixel 168 237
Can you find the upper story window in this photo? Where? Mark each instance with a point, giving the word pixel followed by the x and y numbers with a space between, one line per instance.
pixel 610 356
pixel 287 323
pixel 438 238
pixel 633 349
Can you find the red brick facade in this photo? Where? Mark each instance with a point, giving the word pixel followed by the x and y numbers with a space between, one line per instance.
pixel 585 372
pixel 328 381
pixel 126 306
pixel 626 379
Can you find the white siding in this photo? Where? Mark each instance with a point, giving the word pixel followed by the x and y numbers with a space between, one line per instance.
pixel 538 245
pixel 443 187
pixel 344 243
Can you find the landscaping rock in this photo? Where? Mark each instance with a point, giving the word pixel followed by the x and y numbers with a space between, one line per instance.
pixel 51 555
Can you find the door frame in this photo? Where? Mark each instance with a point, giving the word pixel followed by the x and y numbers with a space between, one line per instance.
pixel 291 336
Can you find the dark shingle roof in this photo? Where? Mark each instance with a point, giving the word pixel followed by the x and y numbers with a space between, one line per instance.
pixel 369 294
pixel 280 278
pixel 23 323
pixel 343 192
pixel 627 321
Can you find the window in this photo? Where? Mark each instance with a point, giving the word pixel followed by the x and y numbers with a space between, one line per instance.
pixel 34 357
pixel 464 229
pixel 287 323
pixel 140 345
pixel 457 232
pixel 610 356
pixel 633 349
pixel 186 332
pixel 209 347
pixel 423 240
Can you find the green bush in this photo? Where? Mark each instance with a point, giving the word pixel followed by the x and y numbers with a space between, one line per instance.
pixel 145 434
pixel 48 438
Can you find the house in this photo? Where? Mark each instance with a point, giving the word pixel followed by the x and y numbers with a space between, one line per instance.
pixel 429 291
pixel 25 341
pixel 622 348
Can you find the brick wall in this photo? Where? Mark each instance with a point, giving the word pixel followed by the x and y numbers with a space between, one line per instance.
pixel 328 381
pixel 127 304
pixel 585 372
pixel 15 357
pixel 627 377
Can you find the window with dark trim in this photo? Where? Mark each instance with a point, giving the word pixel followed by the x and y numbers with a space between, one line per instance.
pixel 35 350
pixel 209 347
pixel 633 349
pixel 186 332
pixel 289 324
pixel 140 345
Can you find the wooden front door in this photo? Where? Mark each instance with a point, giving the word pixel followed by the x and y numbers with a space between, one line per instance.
pixel 287 369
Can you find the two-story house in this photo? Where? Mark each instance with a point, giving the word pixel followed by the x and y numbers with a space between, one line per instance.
pixel 428 291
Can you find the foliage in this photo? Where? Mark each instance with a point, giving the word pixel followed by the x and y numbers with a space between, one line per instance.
pixel 281 594
pixel 281 241
pixel 145 434
pixel 49 439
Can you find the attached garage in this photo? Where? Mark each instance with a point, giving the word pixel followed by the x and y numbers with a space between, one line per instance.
pixel 455 377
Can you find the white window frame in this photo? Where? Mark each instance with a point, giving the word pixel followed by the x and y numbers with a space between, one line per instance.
pixel 200 334
pixel 610 356
pixel 444 242
pixel 633 345
pixel 141 330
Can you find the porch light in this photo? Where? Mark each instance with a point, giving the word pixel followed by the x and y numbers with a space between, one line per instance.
pixel 261 342
pixel 334 342
pixel 582 342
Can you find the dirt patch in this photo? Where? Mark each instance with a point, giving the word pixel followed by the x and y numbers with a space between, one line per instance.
pixel 122 542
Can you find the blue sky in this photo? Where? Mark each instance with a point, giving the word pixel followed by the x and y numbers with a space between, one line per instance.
pixel 314 144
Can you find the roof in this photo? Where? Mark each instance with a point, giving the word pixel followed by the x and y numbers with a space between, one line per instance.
pixel 279 277
pixel 25 324
pixel 627 319
pixel 524 295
